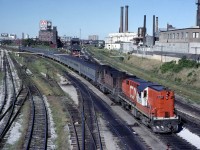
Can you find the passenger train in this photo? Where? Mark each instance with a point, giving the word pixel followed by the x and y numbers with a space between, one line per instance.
pixel 152 103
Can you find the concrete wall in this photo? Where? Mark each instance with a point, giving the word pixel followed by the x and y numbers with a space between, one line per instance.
pixel 178 47
pixel 171 47
pixel 160 58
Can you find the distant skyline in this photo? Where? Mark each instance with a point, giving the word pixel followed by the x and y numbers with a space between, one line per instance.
pixel 92 17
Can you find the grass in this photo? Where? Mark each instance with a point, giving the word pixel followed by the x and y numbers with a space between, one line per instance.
pixel 139 68
pixel 172 66
pixel 61 120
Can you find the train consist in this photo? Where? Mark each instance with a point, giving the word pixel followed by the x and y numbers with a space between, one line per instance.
pixel 153 104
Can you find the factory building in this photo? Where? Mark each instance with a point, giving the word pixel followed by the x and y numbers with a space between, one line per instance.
pixel 48 34
pixel 180 40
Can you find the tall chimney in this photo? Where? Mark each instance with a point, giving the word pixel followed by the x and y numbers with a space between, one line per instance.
pixel 156 24
pixel 198 13
pixel 153 29
pixel 144 32
pixel 126 18
pixel 122 20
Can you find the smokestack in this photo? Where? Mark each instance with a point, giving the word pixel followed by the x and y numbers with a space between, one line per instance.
pixel 122 20
pixel 144 32
pixel 153 29
pixel 198 13
pixel 126 18
pixel 156 24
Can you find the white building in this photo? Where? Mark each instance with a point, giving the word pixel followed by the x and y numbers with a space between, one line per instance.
pixel 12 36
pixel 115 40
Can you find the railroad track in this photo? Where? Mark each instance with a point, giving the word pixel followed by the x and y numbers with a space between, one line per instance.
pixel 12 102
pixel 10 114
pixel 75 127
pixel 190 116
pixel 188 110
pixel 37 134
pixel 113 122
pixel 4 90
pixel 90 128
pixel 174 142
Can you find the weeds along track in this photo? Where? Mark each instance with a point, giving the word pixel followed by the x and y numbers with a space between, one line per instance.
pixel 90 127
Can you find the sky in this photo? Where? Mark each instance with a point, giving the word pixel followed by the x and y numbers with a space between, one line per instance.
pixel 92 17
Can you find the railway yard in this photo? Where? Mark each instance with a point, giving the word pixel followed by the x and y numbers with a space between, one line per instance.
pixel 47 104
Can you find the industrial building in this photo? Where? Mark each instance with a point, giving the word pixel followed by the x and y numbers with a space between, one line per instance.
pixel 183 40
pixel 170 39
pixel 48 34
